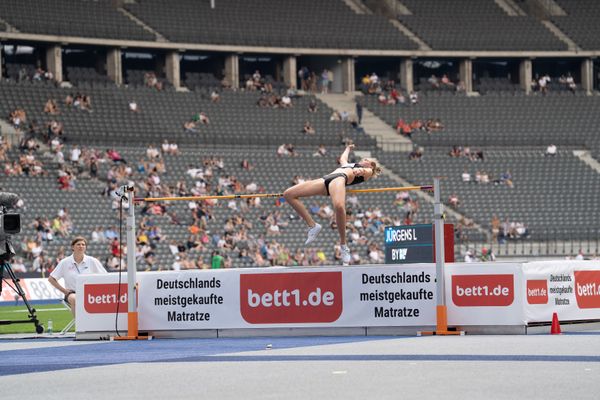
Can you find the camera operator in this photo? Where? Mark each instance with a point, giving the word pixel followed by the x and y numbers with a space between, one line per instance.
pixel 71 267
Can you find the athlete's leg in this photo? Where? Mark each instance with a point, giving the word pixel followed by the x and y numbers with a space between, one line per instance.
pixel 305 189
pixel 337 191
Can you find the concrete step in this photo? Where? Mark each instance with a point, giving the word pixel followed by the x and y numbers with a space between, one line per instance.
pixel 373 125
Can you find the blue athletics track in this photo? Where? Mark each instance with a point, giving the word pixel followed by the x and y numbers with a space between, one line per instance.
pixel 541 366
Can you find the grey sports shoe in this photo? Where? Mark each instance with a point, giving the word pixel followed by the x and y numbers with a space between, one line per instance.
pixel 312 233
pixel 346 257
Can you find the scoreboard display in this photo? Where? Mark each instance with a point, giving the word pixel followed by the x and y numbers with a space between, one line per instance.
pixel 409 244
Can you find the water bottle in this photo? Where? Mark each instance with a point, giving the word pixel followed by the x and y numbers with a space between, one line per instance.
pixel 49 330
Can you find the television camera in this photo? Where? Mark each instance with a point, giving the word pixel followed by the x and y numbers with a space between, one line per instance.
pixel 10 224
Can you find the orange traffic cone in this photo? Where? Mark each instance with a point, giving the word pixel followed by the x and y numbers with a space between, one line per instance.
pixel 555 329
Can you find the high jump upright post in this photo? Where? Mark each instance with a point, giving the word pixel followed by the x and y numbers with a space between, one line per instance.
pixel 126 192
pixel 441 327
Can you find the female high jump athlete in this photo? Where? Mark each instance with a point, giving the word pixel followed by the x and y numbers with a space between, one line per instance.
pixel 333 185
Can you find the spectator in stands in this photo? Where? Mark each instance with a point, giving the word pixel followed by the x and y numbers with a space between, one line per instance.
pixel 321 151
pixel 414 98
pixel 18 117
pixel 466 176
pixel 543 83
pixel 133 106
pixel 55 129
pixel 434 81
pixel 215 97
pixel 69 100
pixel 570 82
pixel 416 154
pixel 551 151
pixel 333 185
pixel 203 118
pixel 286 102
pixel 308 128
pixel 51 107
pixel 71 267
pixel 359 112
pixel 470 257
pixel 190 127
pixel 447 82
pixel 453 200
pixel 303 75
pixel 325 81
pixel 114 156
pixel 495 223
pixel 312 107
pixel 506 178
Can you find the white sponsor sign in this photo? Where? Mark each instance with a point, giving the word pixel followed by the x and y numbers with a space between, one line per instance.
pixel 34 289
pixel 484 294
pixel 569 288
pixel 405 295
pixel 256 298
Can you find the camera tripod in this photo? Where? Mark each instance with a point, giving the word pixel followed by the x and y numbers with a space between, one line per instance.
pixel 5 266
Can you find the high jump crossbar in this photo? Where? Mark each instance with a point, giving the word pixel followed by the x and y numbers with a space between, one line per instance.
pixel 128 191
pixel 251 196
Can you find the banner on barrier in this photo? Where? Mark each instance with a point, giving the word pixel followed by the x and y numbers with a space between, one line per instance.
pixel 34 289
pixel 569 288
pixel 484 294
pixel 361 296
pixel 255 298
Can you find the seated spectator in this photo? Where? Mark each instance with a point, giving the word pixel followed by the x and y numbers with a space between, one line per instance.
pixel 114 156
pixel 321 151
pixel 215 97
pixel 434 125
pixel 453 200
pixel 551 150
pixel 55 129
pixel 416 154
pixel 456 151
pixel 245 164
pixel 51 108
pixel 133 107
pixel 201 117
pixel 434 81
pixel 173 149
pixel 466 177
pixel 485 178
pixel 414 98
pixel 308 128
pixel 570 82
pixel 286 102
pixel 335 116
pixel 190 127
pixel 446 81
pixel 312 107
pixel 283 151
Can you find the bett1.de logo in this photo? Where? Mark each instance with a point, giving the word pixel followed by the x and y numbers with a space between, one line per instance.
pixel 302 297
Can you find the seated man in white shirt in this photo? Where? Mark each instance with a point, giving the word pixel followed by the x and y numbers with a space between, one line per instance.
pixel 69 268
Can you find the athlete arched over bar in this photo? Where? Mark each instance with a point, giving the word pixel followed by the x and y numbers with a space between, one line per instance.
pixel 334 186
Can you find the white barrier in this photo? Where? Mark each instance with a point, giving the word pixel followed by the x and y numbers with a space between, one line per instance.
pixel 34 288
pixel 376 296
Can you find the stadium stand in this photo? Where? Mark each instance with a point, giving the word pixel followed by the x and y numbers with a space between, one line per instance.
pixel 579 23
pixel 475 25
pixel 236 119
pixel 97 19
pixel 554 197
pixel 287 23
pixel 500 120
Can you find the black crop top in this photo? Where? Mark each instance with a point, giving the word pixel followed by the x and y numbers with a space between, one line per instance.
pixel 357 179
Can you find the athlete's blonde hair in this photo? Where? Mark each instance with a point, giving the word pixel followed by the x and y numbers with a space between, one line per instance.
pixel 374 166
